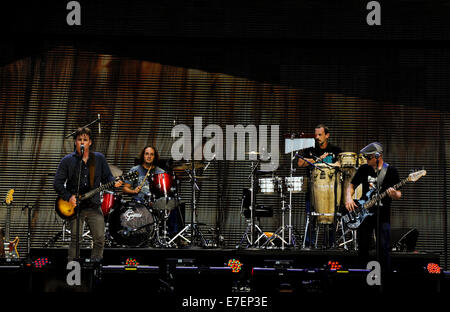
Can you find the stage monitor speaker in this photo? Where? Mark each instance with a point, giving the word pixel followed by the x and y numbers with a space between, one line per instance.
pixel 404 239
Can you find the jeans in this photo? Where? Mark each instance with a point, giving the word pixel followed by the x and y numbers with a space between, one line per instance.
pixel 96 222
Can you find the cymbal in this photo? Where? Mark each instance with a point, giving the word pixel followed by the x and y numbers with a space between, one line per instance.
pixel 188 165
pixel 115 170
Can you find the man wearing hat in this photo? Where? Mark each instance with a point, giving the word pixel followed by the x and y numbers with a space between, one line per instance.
pixel 375 172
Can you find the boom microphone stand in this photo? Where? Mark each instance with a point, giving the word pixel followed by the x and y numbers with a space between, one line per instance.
pixel 77 207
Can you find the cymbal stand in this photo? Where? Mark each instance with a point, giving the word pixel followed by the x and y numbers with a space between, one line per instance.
pixel 193 226
pixel 283 226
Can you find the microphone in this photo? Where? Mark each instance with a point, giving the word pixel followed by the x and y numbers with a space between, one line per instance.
pixel 99 124
pixel 82 150
pixel 377 155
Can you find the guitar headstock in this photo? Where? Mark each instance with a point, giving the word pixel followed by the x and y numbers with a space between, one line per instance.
pixel 9 197
pixel 131 176
pixel 414 176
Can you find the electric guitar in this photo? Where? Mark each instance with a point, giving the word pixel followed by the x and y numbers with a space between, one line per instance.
pixel 65 209
pixel 10 247
pixel 354 219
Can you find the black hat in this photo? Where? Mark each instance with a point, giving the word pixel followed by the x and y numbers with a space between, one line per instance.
pixel 372 148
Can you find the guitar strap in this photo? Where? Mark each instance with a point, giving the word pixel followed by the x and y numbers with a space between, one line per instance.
pixel 382 174
pixel 91 165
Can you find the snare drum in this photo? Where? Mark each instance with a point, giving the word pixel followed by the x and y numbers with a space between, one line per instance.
pixel 347 159
pixel 323 193
pixel 294 184
pixel 269 185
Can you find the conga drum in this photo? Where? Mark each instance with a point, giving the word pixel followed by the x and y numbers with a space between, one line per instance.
pixel 323 192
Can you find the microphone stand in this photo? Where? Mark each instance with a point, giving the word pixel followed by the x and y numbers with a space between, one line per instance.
pixel 85 126
pixel 378 233
pixel 77 241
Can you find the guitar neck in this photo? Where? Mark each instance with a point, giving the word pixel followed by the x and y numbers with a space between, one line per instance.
pixel 97 190
pixel 8 222
pixel 374 200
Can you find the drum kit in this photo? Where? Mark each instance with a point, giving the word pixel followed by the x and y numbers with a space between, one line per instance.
pixel 143 223
pixel 139 223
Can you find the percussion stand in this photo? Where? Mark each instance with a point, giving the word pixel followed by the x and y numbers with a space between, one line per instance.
pixel 251 224
pixel 291 239
pixel 193 226
pixel 308 214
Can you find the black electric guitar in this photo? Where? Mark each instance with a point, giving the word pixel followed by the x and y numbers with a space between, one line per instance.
pixel 10 247
pixel 65 209
pixel 354 219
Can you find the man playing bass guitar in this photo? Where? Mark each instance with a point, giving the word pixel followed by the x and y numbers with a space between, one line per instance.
pixel 375 172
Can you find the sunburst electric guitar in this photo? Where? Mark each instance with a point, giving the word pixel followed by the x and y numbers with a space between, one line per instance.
pixel 10 247
pixel 65 209
pixel 354 219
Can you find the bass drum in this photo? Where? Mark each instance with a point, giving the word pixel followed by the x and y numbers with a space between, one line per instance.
pixel 131 224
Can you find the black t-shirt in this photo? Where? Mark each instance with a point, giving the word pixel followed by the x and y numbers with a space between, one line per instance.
pixel 316 151
pixel 391 178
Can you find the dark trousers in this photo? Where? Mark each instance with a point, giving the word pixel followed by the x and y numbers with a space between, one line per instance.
pixel 365 242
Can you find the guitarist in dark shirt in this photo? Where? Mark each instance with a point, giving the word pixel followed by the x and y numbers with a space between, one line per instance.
pixel 94 170
pixel 367 176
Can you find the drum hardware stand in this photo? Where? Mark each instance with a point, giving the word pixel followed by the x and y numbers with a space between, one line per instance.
pixel 252 203
pixel 63 232
pixel 280 229
pixel 308 214
pixel 291 239
pixel 260 234
pixel 164 239
pixel 193 226
pixel 251 226
pixel 344 233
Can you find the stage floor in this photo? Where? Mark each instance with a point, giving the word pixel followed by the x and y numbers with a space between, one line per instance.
pixel 220 273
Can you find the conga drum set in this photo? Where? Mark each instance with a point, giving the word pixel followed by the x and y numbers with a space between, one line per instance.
pixel 329 183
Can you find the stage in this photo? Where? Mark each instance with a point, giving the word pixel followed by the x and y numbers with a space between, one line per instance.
pixel 196 271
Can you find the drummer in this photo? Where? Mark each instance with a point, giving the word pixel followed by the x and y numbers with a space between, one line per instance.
pixel 322 152
pixel 140 188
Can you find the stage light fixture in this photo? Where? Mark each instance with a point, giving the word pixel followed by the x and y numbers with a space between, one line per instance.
pixel 40 262
pixel 334 265
pixel 131 262
pixel 235 265
pixel 433 268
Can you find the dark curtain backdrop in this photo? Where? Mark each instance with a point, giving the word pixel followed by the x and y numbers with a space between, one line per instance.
pixel 45 96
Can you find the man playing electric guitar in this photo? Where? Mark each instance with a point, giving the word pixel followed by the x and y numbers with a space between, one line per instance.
pixel 94 170
pixel 367 176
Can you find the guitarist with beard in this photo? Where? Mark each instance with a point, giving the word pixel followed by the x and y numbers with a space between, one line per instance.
pixel 367 176
pixel 94 170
